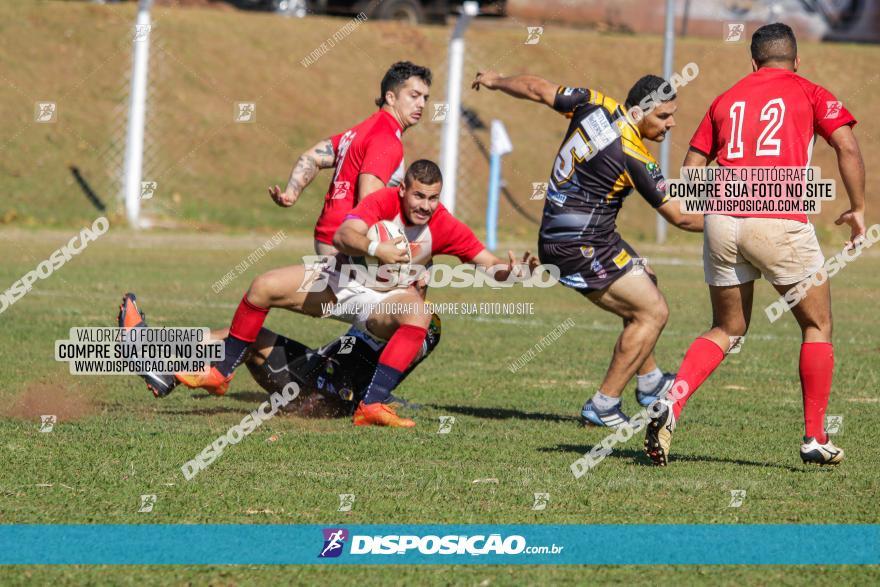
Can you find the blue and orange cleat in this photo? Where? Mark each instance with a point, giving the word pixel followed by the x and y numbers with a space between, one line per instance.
pixel 379 414
pixel 130 316
pixel 211 380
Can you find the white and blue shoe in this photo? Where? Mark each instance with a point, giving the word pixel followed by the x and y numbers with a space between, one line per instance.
pixel 646 398
pixel 816 453
pixel 612 418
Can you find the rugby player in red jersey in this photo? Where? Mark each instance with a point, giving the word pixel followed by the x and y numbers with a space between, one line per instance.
pixel 768 119
pixel 431 230
pixel 366 157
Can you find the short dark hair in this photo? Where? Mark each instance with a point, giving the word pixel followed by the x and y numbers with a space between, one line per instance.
pixel 397 75
pixel 649 85
pixel 422 171
pixel 773 43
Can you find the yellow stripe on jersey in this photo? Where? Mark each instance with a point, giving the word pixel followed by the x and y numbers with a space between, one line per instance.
pixel 633 145
pixel 610 105
pixel 631 133
pixel 596 97
pixel 641 156
pixel 622 182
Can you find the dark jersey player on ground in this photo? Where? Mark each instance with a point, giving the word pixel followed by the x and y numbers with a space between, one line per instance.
pixel 601 160
pixel 769 119
pixel 332 379
pixel 366 157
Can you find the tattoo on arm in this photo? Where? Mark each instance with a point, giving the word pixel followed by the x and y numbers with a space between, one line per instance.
pixel 302 175
pixel 319 157
pixel 324 155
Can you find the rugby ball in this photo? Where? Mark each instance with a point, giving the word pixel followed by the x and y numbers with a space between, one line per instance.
pixel 386 277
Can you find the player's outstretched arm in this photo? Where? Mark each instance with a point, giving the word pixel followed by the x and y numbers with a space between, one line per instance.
pixel 695 158
pixel 351 239
pixel 320 156
pixel 501 270
pixel 649 182
pixel 852 170
pixel 525 87
pixel 671 212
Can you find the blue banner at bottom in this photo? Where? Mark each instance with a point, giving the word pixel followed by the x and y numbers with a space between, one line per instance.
pixel 440 544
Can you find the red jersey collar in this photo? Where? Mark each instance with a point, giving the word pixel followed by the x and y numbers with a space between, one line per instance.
pixel 391 118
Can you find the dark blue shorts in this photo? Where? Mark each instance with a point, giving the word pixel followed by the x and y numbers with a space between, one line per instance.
pixel 588 267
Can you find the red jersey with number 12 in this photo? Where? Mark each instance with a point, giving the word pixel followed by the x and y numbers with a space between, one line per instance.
pixel 373 147
pixel 770 118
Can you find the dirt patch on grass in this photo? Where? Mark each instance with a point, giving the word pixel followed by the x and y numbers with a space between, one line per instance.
pixel 67 403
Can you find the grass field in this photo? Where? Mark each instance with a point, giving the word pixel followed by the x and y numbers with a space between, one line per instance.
pixel 515 433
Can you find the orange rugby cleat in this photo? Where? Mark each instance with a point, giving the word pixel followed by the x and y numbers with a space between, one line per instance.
pixel 379 414
pixel 211 380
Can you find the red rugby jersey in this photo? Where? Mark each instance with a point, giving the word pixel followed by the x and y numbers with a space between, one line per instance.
pixel 444 234
pixel 769 118
pixel 373 146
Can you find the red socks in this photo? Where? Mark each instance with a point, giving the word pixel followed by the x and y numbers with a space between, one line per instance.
pixel 701 358
pixel 816 367
pixel 245 327
pixel 403 347
pixel 247 321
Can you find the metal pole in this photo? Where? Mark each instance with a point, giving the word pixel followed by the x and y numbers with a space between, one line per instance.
pixel 134 140
pixel 449 148
pixel 500 146
pixel 668 53
pixel 492 204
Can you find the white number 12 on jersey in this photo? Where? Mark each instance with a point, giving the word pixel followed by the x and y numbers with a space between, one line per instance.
pixel 773 113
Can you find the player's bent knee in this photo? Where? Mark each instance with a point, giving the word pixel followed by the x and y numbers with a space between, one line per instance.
pixel 656 316
pixel 420 319
pixel 260 291
pixel 219 334
pixel 661 312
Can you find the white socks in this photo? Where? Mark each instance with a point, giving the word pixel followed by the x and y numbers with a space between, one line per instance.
pixel 604 402
pixel 649 382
